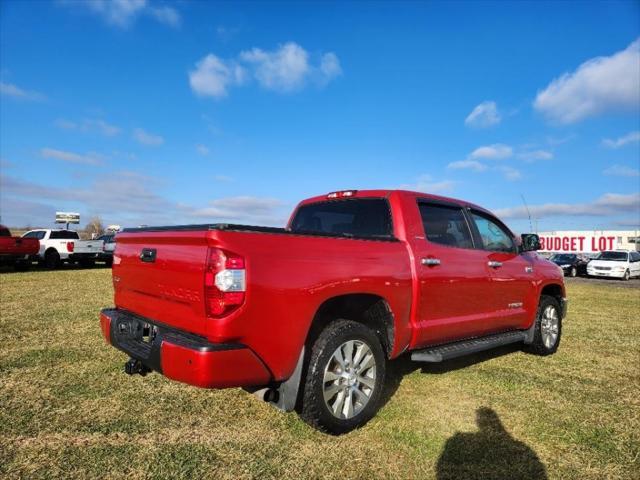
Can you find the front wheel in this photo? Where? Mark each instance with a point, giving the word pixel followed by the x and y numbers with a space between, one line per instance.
pixel 548 328
pixel 344 378
pixel 627 276
pixel 573 272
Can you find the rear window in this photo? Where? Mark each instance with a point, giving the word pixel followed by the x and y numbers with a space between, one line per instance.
pixel 106 238
pixel 4 232
pixel 63 235
pixel 366 217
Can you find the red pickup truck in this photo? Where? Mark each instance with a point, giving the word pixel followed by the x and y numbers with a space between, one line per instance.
pixel 307 316
pixel 16 251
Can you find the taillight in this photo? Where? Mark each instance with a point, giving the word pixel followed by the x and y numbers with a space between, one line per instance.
pixel 225 282
pixel 69 246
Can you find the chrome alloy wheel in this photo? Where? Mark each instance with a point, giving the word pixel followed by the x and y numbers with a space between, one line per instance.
pixel 550 326
pixel 349 379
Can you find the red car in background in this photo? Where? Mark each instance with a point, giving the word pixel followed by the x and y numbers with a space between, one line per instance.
pixel 16 251
pixel 308 316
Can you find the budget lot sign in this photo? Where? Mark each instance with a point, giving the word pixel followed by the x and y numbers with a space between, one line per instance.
pixel 577 243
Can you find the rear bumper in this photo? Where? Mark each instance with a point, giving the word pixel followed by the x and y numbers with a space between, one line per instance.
pixel 180 355
pixel 77 256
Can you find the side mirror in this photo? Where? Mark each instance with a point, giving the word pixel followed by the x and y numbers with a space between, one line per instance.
pixel 530 242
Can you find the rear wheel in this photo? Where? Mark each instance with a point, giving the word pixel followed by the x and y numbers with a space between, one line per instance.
pixel 52 259
pixel 548 328
pixel 573 272
pixel 344 379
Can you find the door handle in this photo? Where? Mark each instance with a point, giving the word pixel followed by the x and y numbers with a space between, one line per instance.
pixel 494 264
pixel 431 262
pixel 148 255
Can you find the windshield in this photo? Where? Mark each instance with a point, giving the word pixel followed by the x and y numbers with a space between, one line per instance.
pixel 614 256
pixel 560 257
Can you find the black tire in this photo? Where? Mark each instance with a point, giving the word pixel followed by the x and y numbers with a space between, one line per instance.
pixel 627 276
pixel 313 408
pixel 539 347
pixel 52 259
pixel 573 272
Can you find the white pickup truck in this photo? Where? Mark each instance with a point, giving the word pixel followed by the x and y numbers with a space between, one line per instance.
pixel 58 246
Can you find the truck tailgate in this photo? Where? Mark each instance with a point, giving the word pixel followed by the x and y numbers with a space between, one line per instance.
pixel 87 246
pixel 160 276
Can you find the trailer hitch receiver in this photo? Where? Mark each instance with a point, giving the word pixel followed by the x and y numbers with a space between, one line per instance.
pixel 134 366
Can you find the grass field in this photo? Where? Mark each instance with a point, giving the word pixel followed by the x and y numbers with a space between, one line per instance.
pixel 67 410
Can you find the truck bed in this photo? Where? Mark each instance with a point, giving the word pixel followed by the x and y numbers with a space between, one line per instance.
pixel 289 275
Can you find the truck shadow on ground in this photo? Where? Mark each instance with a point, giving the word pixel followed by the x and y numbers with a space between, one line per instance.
pixel 491 452
pixel 402 366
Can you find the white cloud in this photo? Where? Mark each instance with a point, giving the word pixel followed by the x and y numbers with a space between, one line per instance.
pixel 474 165
pixel 123 13
pixel 484 115
pixel 202 150
pixel 622 171
pixel 329 67
pixel 631 137
pixel 212 76
pixel 167 15
pixel 89 125
pixel 497 151
pixel 425 183
pixel 510 173
pixel 607 205
pixel 222 178
pixel 131 199
pixel 242 208
pixel 285 69
pixel 600 85
pixel 11 90
pixel 146 138
pixel 533 155
pixel 71 157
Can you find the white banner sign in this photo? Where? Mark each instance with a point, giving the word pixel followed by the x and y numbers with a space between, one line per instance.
pixel 67 217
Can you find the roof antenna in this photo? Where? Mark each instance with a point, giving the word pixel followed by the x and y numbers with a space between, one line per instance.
pixel 528 212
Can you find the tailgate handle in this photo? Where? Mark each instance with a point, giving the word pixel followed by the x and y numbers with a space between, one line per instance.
pixel 148 255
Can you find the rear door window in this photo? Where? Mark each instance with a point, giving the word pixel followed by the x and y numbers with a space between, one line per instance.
pixel 445 225
pixel 365 218
pixel 39 234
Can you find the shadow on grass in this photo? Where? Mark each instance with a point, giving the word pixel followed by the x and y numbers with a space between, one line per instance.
pixel 489 453
pixel 397 369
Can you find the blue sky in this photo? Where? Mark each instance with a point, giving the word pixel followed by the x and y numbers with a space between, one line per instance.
pixel 191 112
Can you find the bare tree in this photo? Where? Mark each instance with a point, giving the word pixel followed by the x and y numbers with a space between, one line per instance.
pixel 94 227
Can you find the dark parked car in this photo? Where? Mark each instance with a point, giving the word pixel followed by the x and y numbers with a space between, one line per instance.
pixel 572 264
pixel 108 247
